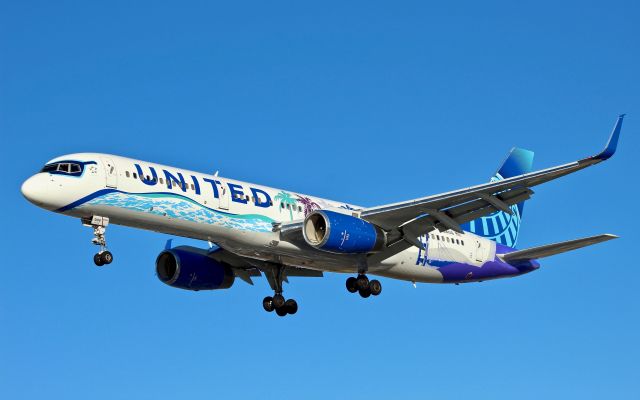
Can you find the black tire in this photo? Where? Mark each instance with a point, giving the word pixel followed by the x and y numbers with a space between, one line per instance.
pixel 375 287
pixel 291 306
pixel 278 301
pixel 365 292
pixel 106 257
pixel 97 259
pixel 362 282
pixel 267 304
pixel 282 311
pixel 351 284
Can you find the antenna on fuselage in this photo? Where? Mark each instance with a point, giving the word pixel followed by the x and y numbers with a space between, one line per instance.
pixel 215 173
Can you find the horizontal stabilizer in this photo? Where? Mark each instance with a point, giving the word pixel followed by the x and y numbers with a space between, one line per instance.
pixel 555 248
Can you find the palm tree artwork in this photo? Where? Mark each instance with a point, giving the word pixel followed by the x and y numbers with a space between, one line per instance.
pixel 286 199
pixel 308 204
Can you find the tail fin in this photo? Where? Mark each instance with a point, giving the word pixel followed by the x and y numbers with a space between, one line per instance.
pixel 500 226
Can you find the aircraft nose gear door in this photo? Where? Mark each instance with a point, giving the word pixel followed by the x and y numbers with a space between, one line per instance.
pixel 110 172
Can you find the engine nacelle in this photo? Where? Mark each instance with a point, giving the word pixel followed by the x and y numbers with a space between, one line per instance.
pixel 191 268
pixel 341 233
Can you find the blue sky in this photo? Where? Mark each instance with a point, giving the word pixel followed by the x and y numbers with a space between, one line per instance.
pixel 366 102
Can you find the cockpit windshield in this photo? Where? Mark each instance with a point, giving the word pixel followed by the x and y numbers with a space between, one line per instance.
pixel 64 168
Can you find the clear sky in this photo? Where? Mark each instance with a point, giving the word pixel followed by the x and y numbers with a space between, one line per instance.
pixel 367 102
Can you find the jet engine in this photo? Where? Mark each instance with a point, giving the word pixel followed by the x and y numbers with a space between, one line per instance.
pixel 342 233
pixel 191 268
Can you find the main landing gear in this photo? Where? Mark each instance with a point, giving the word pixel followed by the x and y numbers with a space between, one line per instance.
pixel 99 225
pixel 364 286
pixel 277 302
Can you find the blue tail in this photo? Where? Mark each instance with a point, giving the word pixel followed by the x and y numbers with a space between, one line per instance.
pixel 500 226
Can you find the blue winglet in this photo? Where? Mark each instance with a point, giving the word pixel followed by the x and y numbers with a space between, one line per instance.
pixel 168 245
pixel 610 149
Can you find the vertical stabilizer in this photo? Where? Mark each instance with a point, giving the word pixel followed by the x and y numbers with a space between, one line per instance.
pixel 500 226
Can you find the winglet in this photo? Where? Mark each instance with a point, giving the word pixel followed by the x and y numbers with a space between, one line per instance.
pixel 610 149
pixel 168 245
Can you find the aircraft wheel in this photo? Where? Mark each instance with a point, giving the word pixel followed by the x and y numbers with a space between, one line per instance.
pixel 351 284
pixel 267 303
pixel 375 287
pixel 97 259
pixel 366 292
pixel 362 282
pixel 106 257
pixel 278 301
pixel 291 306
pixel 282 311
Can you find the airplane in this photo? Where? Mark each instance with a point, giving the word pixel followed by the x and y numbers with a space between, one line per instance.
pixel 461 236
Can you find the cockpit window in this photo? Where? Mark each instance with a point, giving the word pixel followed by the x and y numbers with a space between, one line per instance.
pixel 64 168
pixel 49 168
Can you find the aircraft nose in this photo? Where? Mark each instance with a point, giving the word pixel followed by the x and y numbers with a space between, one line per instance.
pixel 33 189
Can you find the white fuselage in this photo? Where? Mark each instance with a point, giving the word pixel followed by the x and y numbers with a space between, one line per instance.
pixel 238 216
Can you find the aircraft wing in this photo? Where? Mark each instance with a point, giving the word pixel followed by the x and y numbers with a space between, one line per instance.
pixel 406 221
pixel 244 267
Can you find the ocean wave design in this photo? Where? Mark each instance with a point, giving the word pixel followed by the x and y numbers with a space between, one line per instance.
pixel 182 208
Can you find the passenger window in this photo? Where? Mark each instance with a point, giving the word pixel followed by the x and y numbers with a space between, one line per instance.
pixel 148 179
pixel 161 181
pixel 127 174
pixel 299 208
pixel 135 176
pixel 462 241
pixel 193 187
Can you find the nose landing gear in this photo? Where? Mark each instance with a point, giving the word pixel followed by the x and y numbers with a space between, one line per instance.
pixel 99 225
pixel 103 258
pixel 364 286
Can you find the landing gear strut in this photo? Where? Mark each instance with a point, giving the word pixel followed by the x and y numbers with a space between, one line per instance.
pixel 277 302
pixel 99 225
pixel 364 286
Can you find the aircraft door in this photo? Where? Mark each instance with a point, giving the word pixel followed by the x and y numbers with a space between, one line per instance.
pixel 224 197
pixel 479 250
pixel 111 173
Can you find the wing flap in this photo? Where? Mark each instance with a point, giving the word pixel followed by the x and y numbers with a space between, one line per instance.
pixel 555 248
